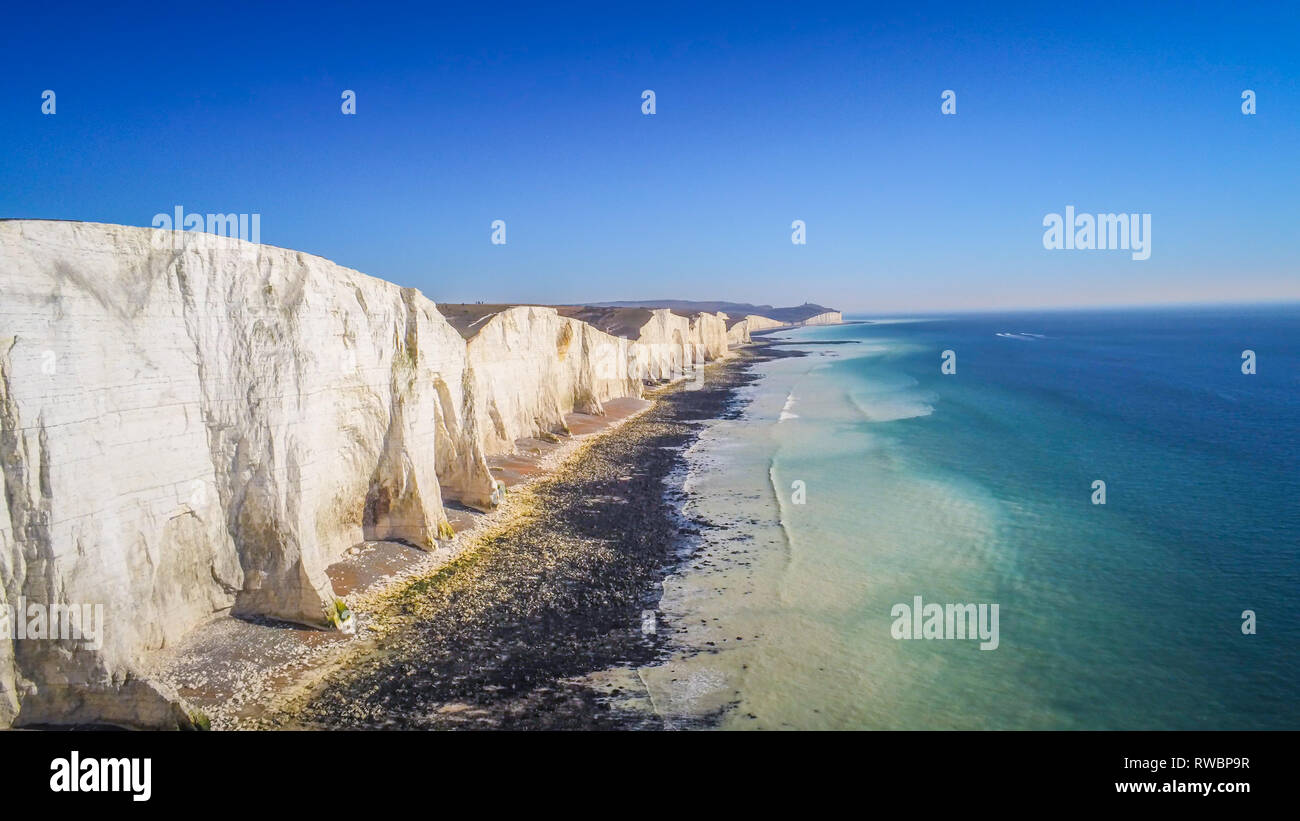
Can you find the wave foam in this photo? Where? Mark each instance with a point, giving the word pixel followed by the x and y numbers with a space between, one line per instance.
pixel 785 410
pixel 891 409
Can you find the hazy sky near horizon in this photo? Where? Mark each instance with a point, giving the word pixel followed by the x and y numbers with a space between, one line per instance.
pixel 764 115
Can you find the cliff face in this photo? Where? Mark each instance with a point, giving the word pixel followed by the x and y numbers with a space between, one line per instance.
pixel 192 429
pixel 529 367
pixel 828 318
pixel 669 345
pixel 762 323
pixel 738 333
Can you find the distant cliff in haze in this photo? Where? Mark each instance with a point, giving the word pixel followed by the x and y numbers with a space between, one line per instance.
pixel 793 315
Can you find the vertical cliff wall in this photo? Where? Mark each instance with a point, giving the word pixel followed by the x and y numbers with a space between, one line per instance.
pixel 670 345
pixel 529 367
pixel 739 332
pixel 190 425
pixel 827 318
pixel 203 427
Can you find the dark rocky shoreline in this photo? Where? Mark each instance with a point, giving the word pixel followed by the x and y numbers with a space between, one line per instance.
pixel 495 640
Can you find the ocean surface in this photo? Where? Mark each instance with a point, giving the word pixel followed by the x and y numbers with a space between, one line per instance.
pixel 978 487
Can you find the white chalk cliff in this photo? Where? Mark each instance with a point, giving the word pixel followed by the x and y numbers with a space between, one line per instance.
pixel 739 332
pixel 190 426
pixel 827 318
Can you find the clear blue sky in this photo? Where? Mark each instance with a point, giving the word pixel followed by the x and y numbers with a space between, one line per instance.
pixel 765 114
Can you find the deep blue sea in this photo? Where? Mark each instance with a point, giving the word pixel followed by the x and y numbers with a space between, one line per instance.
pixel 978 487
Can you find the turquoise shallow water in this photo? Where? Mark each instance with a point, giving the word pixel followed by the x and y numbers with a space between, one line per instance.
pixel 977 487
